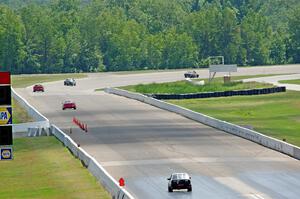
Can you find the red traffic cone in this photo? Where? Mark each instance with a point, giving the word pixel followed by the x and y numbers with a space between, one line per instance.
pixel 121 182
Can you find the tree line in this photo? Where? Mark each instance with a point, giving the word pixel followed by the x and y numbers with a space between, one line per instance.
pixel 111 35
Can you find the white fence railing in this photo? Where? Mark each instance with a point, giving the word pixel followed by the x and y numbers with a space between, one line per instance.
pixel 248 134
pixel 110 184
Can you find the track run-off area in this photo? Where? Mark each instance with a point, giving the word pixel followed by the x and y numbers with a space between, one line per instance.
pixel 144 144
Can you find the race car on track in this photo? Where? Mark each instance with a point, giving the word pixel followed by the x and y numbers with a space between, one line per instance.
pixel 70 82
pixel 191 74
pixel 68 105
pixel 38 88
pixel 179 181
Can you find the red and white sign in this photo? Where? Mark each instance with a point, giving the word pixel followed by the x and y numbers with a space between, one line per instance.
pixel 4 77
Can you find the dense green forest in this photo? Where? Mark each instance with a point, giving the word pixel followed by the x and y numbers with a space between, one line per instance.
pixel 51 36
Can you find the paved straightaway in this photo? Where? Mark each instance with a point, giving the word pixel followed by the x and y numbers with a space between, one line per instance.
pixel 145 144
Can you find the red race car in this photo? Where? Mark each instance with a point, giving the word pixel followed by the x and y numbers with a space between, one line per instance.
pixel 38 88
pixel 68 105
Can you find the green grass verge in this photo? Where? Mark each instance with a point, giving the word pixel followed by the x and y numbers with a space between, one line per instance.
pixel 275 115
pixel 100 89
pixel 42 168
pixel 294 81
pixel 19 114
pixel 181 87
pixel 22 81
pixel 234 78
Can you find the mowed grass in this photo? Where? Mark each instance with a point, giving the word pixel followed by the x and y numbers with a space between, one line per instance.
pixel 22 81
pixel 275 115
pixel 294 81
pixel 19 114
pixel 181 87
pixel 43 168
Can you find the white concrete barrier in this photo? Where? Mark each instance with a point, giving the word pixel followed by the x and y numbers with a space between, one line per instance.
pixel 59 134
pixel 40 121
pixel 248 134
pixel 23 127
pixel 35 132
pixel 84 157
pixel 71 145
pixel 297 153
pixel 110 184
pixel 107 181
pixel 37 116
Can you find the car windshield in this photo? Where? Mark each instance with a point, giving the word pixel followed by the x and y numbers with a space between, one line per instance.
pixel 179 176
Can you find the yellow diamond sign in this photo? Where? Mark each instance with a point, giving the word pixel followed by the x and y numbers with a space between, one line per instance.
pixel 5 115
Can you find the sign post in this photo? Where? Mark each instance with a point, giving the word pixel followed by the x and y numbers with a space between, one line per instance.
pixel 6 138
pixel 216 64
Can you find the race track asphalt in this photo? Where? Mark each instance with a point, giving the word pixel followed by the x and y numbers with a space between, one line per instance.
pixel 144 144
